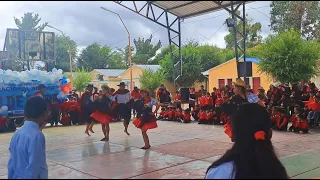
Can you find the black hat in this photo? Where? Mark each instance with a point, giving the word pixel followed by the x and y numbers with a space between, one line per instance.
pixel 90 86
pixel 41 86
pixel 122 84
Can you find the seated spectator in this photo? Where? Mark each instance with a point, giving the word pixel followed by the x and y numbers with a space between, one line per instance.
pixel 314 113
pixel 186 116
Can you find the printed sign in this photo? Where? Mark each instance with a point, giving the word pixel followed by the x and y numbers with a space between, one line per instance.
pixel 14 96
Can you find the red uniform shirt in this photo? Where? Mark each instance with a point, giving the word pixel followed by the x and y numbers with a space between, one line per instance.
pixel 209 116
pixel 178 114
pixel 202 115
pixel 302 124
pixel 315 107
pixel 177 97
pixel 202 101
pixel 219 101
pixel 135 94
pixel 187 117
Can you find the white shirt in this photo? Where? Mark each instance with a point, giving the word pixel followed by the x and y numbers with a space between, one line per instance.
pixel 224 171
pixel 123 98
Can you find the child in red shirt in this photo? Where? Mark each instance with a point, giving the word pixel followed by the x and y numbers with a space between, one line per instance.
pixel 195 113
pixel 210 116
pixel 178 115
pixel 208 102
pixel 177 99
pixel 186 116
pixel 219 100
pixel 3 122
pixel 65 119
pixel 301 124
pixel 202 100
pixel 282 122
pixel 162 113
pixel 202 117
pixel 315 110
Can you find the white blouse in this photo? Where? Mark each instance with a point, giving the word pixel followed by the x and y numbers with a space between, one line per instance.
pixel 224 171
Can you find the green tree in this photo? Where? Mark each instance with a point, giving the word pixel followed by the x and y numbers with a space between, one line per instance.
pixel 302 16
pixel 62 55
pixel 253 31
pixel 196 59
pixel 288 58
pixel 125 55
pixel 96 56
pixel 82 78
pixel 30 21
pixel 144 50
pixel 151 80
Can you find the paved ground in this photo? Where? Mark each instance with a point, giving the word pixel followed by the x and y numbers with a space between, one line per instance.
pixel 179 151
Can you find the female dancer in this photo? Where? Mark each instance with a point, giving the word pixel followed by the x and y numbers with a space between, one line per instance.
pixel 87 108
pixel 148 119
pixel 103 113
pixel 252 155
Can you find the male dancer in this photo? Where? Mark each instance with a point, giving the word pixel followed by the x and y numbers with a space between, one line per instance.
pixel 123 97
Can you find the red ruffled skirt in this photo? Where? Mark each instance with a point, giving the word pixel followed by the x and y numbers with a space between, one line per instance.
pixel 149 125
pixel 101 117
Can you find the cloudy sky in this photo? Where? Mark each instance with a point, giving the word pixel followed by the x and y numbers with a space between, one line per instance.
pixel 86 23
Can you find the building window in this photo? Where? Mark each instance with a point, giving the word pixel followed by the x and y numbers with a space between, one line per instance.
pixel 100 77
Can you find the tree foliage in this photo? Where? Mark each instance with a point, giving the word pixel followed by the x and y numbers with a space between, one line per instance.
pixel 253 31
pixel 96 56
pixel 81 79
pixel 30 21
pixel 144 50
pixel 302 16
pixel 288 58
pixel 196 59
pixel 62 55
pixel 151 80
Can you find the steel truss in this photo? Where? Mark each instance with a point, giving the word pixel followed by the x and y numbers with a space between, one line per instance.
pixel 147 11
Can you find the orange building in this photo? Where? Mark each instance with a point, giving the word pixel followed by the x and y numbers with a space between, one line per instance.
pixel 226 73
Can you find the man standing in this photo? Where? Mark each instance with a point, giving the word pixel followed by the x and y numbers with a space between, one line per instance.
pixel 123 97
pixel 163 95
pixel 41 90
pixel 202 89
pixel 28 147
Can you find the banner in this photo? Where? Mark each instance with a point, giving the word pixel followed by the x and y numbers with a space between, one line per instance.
pixel 14 96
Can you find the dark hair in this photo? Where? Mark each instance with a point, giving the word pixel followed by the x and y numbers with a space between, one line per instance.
pixel 253 159
pixel 35 107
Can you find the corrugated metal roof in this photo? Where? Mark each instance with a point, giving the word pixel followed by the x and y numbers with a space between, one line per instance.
pixel 110 72
pixel 153 68
pixel 188 9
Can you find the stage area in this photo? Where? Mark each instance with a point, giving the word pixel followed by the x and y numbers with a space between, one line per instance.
pixel 178 151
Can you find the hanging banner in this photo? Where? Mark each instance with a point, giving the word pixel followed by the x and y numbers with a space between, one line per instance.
pixel 14 96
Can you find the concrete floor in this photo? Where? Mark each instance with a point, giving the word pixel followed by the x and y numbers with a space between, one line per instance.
pixel 178 151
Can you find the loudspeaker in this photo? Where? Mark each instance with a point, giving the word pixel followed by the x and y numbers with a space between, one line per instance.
pixel 245 71
pixel 185 93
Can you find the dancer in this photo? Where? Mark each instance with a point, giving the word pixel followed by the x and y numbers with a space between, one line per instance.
pixel 124 99
pixel 103 113
pixel 87 108
pixel 148 119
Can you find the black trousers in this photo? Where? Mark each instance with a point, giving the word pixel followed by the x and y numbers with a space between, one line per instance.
pixel 125 112
pixel 74 117
pixel 55 118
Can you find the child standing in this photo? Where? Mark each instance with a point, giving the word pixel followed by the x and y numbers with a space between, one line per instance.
pixel 28 147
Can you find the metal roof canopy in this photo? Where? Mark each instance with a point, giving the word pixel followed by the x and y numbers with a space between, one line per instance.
pixel 188 9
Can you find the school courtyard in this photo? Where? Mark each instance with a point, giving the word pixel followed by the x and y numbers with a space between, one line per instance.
pixel 178 151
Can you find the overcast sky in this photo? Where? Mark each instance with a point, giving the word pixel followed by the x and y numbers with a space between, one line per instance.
pixel 86 23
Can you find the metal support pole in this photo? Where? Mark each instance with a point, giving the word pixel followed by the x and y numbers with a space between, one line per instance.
pixel 244 39
pixel 235 37
pixel 180 54
pixel 171 51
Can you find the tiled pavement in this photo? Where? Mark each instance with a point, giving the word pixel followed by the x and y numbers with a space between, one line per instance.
pixel 178 151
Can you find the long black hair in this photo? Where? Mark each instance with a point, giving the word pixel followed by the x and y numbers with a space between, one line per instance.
pixel 253 159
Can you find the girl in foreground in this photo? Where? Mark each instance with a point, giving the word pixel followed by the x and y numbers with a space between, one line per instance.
pixel 103 106
pixel 252 155
pixel 148 119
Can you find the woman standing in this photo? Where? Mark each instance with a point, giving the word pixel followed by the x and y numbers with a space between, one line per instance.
pixel 252 155
pixel 148 119
pixel 103 113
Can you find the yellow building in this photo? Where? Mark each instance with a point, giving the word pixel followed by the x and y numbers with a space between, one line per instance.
pixel 112 77
pixel 226 73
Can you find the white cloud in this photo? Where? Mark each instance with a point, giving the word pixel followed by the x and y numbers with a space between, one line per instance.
pixel 86 23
